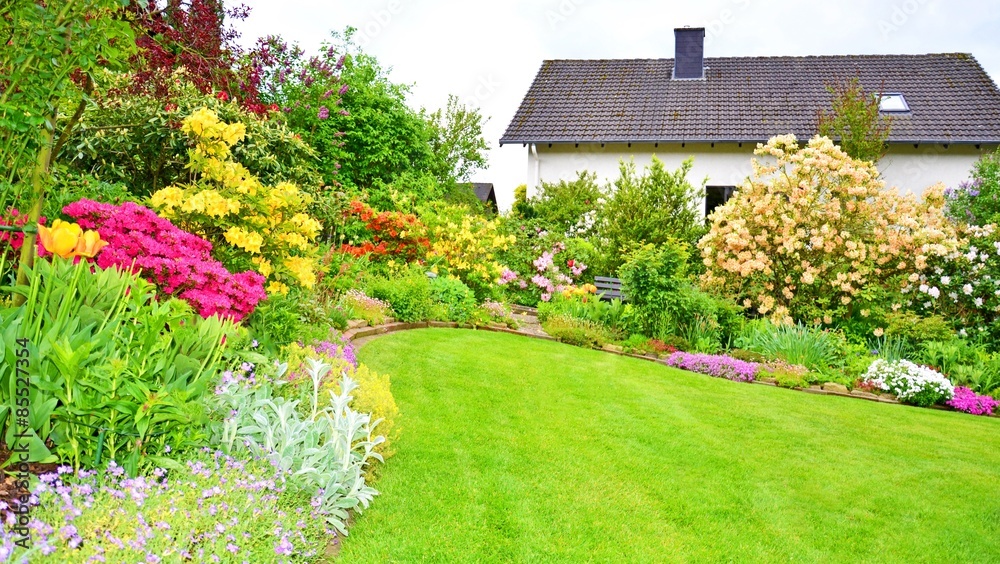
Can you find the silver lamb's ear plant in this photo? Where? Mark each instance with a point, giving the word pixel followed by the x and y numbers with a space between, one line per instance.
pixel 327 452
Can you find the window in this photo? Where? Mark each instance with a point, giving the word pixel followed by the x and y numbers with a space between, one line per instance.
pixel 715 196
pixel 892 102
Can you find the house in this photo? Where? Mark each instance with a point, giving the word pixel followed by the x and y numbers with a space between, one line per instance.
pixel 588 114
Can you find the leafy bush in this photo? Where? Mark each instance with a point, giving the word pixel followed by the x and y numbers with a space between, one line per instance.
pixel 656 208
pixel 134 140
pixel 568 207
pixel 577 332
pixel 811 347
pixel 665 303
pixel 267 228
pixel 212 505
pixel 977 201
pixel 815 238
pixel 409 294
pixel 455 298
pixel 106 355
pixel 325 453
pixel 720 366
pixel 747 356
pixel 179 263
pixel 916 385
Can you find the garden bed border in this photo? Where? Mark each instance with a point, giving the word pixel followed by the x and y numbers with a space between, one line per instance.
pixel 362 333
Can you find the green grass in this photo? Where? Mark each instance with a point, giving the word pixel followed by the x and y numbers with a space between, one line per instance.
pixel 516 449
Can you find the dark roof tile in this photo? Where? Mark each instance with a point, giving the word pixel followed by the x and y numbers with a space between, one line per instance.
pixel 951 99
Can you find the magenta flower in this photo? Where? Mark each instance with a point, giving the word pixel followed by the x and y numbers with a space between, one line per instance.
pixel 323 112
pixel 720 366
pixel 970 402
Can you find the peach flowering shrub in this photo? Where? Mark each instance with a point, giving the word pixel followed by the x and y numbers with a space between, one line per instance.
pixel 266 228
pixel 814 236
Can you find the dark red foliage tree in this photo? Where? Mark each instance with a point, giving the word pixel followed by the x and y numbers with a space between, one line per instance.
pixel 192 34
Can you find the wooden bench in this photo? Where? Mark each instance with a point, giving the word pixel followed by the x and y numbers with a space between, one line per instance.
pixel 609 288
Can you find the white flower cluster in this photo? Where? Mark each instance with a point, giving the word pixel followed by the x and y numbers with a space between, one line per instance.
pixel 906 379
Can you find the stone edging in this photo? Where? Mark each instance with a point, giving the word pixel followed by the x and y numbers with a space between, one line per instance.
pixel 365 333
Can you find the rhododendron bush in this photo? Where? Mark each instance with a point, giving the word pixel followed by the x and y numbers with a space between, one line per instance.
pixel 384 234
pixel 179 263
pixel 266 228
pixel 814 236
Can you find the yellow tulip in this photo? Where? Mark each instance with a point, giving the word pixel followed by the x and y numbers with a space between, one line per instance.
pixel 60 239
pixel 89 244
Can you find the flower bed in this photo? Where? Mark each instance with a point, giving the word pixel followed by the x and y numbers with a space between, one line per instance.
pixel 720 366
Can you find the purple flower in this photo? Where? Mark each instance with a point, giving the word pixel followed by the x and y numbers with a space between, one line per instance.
pixel 323 112
pixel 720 366
pixel 284 547
pixel 343 90
pixel 970 402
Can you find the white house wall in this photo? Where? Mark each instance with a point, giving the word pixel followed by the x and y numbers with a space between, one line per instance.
pixel 727 164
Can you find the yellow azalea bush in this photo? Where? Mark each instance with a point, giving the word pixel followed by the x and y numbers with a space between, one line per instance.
pixel 466 246
pixel 250 225
pixel 814 236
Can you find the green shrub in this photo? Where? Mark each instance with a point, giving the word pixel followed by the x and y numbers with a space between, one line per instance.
pixel 457 300
pixel 409 295
pixel 746 356
pixel 916 329
pixel 277 321
pixel 568 207
pixel 656 207
pixel 796 344
pixel 106 354
pixel 577 331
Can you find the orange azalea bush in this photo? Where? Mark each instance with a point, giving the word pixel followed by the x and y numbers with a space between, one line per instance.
pixel 814 236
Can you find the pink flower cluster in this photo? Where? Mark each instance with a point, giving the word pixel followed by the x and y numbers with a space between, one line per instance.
pixel 720 366
pixel 179 263
pixel 970 402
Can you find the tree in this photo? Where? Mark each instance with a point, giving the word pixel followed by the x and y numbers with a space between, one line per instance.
pixel 50 51
pixel 457 140
pixel 189 34
pixel 342 102
pixel 855 121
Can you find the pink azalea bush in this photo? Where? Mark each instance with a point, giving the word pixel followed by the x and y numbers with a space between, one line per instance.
pixel 179 263
pixel 718 365
pixel 970 402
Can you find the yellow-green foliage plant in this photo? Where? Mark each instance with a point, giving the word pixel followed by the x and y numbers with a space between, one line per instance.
pixel 814 236
pixel 373 395
pixel 266 228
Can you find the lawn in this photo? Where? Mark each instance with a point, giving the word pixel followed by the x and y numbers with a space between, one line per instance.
pixel 516 449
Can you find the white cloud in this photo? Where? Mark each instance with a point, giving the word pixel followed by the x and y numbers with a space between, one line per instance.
pixel 489 52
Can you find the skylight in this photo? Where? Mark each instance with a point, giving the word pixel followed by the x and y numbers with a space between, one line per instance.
pixel 893 102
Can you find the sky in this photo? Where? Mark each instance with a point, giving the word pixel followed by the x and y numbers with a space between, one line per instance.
pixel 488 52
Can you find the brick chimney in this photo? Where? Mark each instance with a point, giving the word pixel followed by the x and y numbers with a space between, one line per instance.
pixel 689 53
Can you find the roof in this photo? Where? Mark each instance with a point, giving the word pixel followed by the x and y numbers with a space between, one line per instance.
pixel 484 191
pixel 951 99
